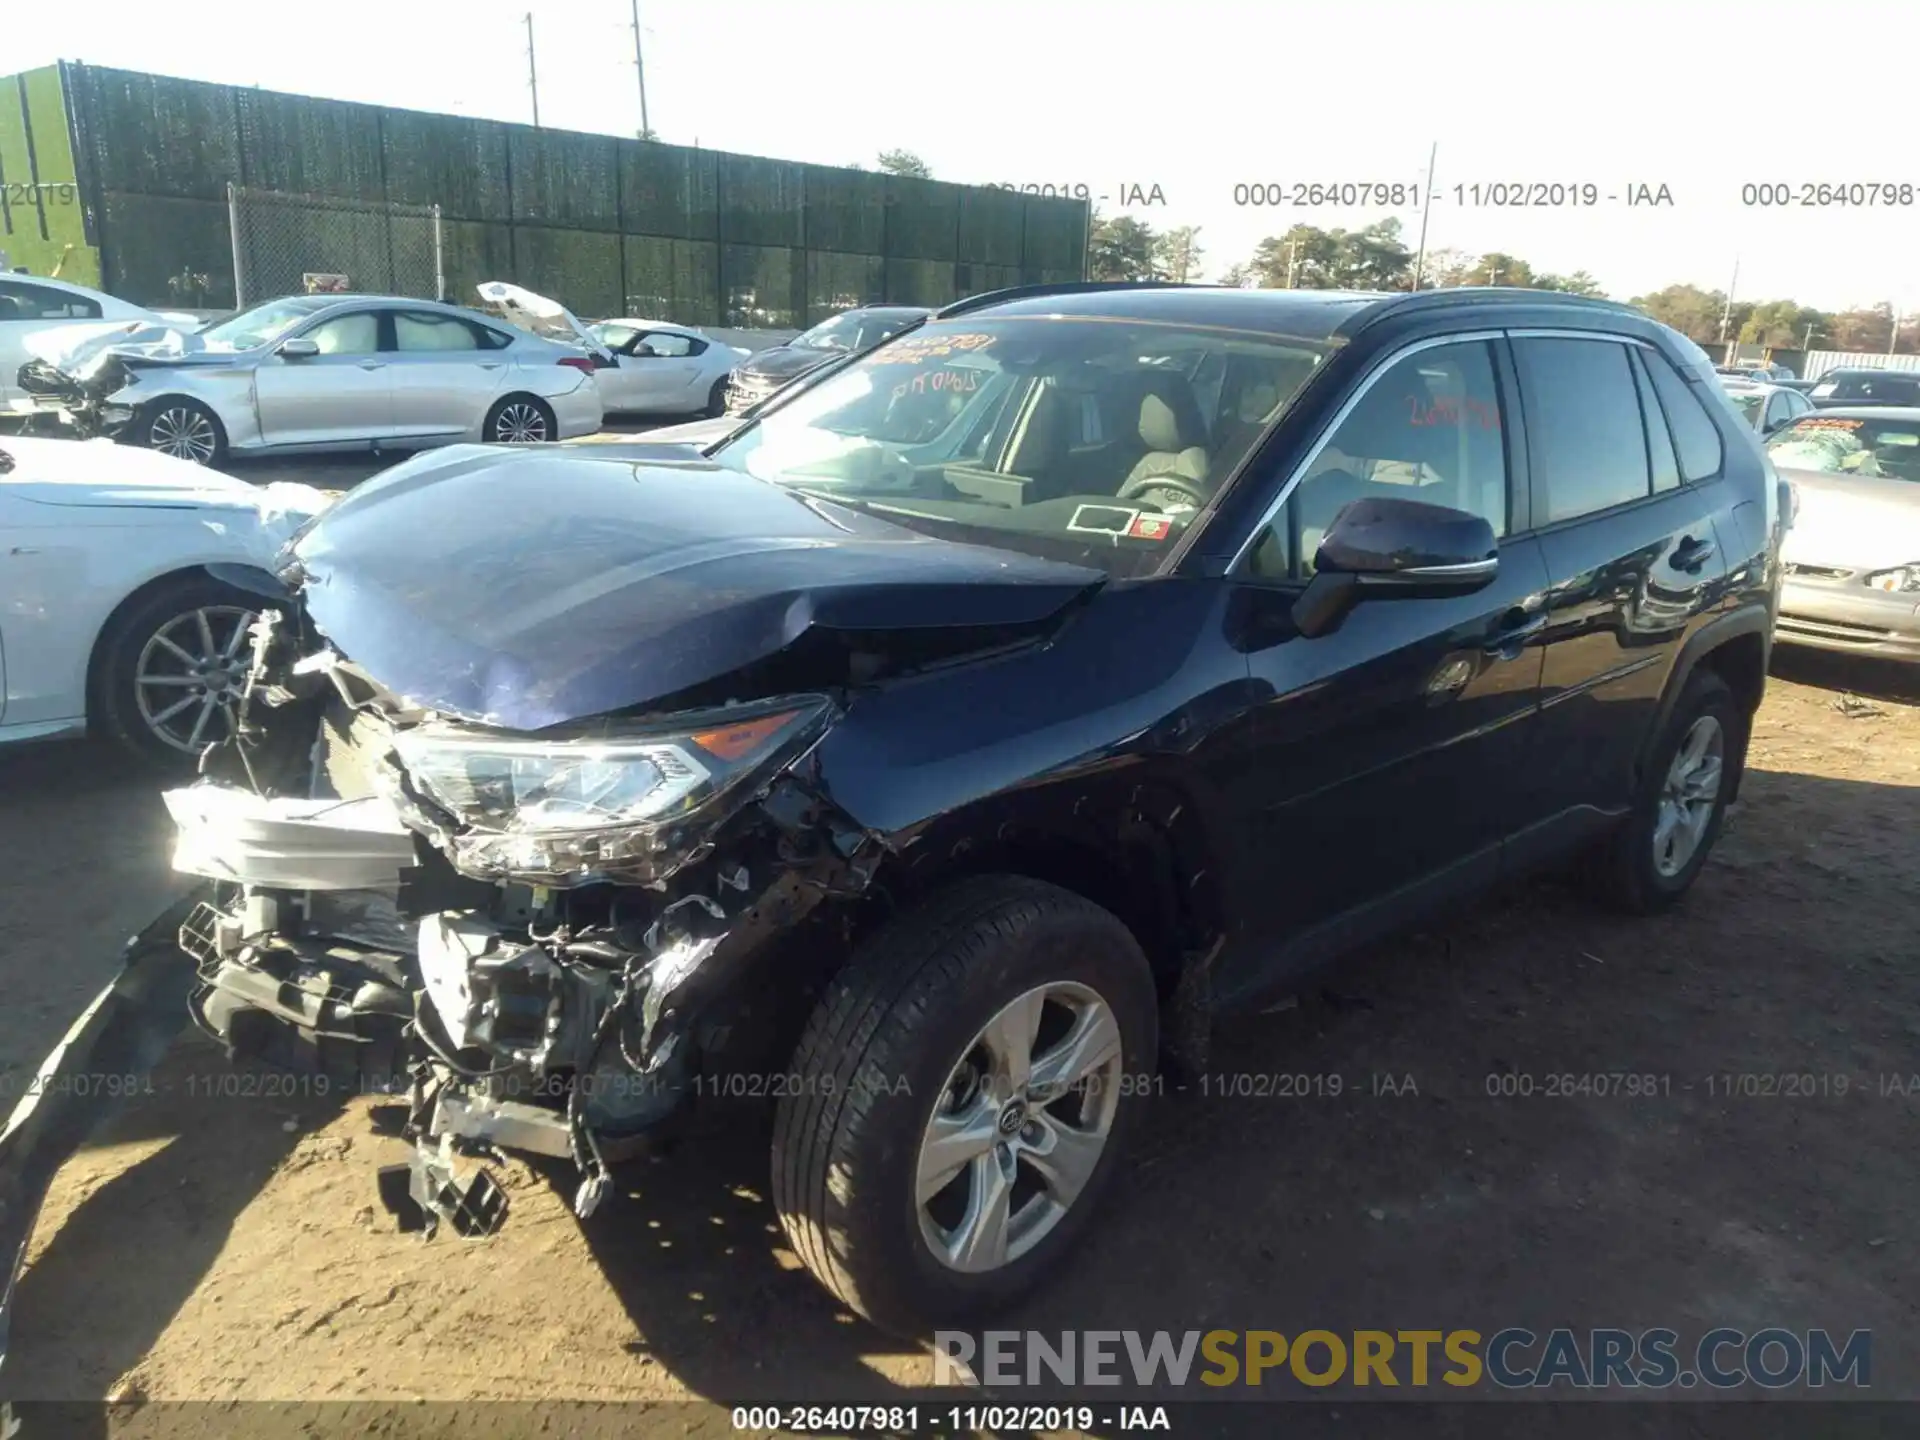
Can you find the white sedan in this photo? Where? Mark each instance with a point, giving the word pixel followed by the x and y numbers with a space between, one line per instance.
pixel 664 369
pixel 128 581
pixel 36 305
pixel 643 367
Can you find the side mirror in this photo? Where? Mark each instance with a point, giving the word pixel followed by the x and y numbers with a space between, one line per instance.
pixel 298 349
pixel 1381 549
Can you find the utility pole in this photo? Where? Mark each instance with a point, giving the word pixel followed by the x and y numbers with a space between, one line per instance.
pixel 1426 204
pixel 640 71
pixel 1293 259
pixel 1493 273
pixel 1726 315
pixel 1806 343
pixel 1893 335
pixel 533 74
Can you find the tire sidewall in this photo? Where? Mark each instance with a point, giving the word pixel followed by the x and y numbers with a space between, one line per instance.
pixel 717 399
pixel 1062 945
pixel 1701 698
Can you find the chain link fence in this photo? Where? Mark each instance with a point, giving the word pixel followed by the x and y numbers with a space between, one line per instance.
pixel 286 244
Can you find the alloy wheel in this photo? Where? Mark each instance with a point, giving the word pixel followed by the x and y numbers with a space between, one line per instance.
pixel 1019 1128
pixel 1688 796
pixel 189 676
pixel 520 424
pixel 185 433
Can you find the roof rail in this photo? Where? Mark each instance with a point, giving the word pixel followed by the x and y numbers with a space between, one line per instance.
pixel 1496 294
pixel 1063 287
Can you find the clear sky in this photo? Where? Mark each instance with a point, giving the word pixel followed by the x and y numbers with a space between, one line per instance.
pixel 1194 96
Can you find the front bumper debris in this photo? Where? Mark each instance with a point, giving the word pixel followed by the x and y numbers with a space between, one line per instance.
pixel 105 1056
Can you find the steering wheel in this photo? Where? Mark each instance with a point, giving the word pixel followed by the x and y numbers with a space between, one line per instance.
pixel 1151 487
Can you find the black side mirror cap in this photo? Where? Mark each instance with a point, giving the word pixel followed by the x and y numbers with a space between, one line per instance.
pixel 1395 549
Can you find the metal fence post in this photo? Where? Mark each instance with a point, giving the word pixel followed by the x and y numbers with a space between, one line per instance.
pixel 233 232
pixel 439 259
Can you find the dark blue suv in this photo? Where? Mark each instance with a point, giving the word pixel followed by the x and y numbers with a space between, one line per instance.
pixel 935 757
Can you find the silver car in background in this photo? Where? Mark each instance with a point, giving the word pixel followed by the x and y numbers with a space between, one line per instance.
pixel 326 372
pixel 1853 555
pixel 1766 407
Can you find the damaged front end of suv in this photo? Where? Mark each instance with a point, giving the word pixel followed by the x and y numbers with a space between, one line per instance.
pixel 539 938
pixel 536 833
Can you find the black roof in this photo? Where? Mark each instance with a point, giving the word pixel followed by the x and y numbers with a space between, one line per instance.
pixel 1328 314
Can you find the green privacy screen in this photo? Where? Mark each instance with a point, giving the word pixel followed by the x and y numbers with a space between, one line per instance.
pixel 604 224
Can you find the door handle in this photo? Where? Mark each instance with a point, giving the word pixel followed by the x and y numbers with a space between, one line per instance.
pixel 373 364
pixel 1691 553
pixel 489 364
pixel 1513 635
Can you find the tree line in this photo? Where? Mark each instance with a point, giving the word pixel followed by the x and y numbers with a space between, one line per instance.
pixel 1377 257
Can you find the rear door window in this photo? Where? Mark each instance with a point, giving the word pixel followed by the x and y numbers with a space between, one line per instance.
pixel 1584 433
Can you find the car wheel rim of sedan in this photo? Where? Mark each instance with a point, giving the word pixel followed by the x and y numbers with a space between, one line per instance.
pixel 1019 1128
pixel 1688 796
pixel 520 425
pixel 189 676
pixel 185 433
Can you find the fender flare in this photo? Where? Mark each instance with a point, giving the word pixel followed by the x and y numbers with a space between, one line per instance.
pixel 1751 619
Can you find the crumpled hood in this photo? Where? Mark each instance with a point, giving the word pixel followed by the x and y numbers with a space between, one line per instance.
pixel 99 472
pixel 79 349
pixel 557 586
pixel 1851 521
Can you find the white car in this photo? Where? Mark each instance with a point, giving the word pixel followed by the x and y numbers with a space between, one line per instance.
pixel 125 594
pixel 36 305
pixel 323 372
pixel 649 367
pixel 664 369
pixel 1766 408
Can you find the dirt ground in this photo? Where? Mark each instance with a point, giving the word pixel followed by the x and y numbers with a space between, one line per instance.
pixel 231 1248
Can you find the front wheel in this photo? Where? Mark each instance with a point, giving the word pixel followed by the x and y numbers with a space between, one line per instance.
pixel 521 420
pixel 960 1100
pixel 172 667
pixel 184 429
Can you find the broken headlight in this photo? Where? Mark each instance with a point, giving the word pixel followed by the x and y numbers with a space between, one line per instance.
pixel 566 810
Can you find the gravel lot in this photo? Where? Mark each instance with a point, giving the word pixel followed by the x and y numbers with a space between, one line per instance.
pixel 226 1247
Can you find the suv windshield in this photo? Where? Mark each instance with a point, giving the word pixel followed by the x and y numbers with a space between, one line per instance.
pixel 1836 445
pixel 1090 441
pixel 851 331
pixel 263 324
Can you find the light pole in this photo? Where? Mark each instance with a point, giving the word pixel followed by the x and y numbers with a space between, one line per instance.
pixel 640 70
pixel 533 74
pixel 1726 315
pixel 1893 333
pixel 1426 204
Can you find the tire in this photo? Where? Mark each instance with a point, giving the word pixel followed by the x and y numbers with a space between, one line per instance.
pixel 1631 876
pixel 520 420
pixel 175 425
pixel 888 1045
pixel 133 665
pixel 717 399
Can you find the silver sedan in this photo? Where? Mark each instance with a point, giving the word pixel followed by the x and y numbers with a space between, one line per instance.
pixel 333 372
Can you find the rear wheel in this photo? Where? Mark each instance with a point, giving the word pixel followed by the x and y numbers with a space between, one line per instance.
pixel 717 398
pixel 172 666
pixel 185 429
pixel 960 1101
pixel 521 420
pixel 1659 850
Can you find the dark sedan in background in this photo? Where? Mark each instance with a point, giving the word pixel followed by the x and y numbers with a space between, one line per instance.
pixel 848 333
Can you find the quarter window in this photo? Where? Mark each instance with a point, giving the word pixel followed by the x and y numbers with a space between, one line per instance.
pixel 1429 428
pixel 1660 453
pixel 1696 439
